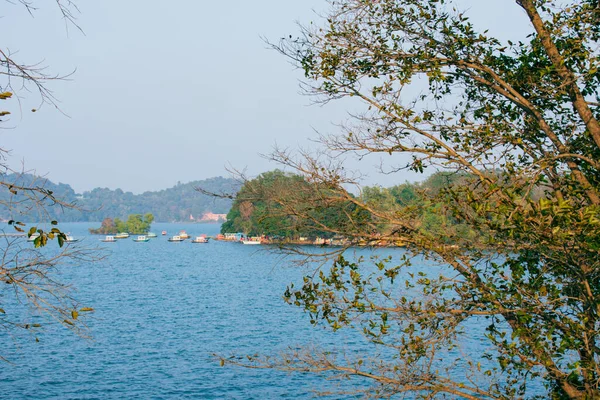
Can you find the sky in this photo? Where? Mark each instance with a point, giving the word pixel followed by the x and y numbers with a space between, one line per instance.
pixel 160 92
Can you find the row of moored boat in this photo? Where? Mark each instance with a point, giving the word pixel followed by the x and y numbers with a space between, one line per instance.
pixel 145 238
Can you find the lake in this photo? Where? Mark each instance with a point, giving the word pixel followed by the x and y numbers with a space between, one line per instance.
pixel 162 310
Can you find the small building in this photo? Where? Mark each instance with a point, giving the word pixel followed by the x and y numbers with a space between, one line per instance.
pixel 212 217
pixel 233 237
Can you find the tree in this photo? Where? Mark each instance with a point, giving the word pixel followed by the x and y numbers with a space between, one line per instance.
pixel 135 224
pixel 107 227
pixel 428 216
pixel 31 288
pixel 521 121
pixel 272 203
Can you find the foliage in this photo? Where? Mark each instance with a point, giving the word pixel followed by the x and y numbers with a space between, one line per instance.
pixel 136 224
pixel 431 217
pixel 31 294
pixel 174 204
pixel 268 205
pixel 520 121
pixel 107 227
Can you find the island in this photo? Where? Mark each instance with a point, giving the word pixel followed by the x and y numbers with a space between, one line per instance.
pixel 136 224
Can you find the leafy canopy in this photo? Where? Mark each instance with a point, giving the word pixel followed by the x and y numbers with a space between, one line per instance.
pixel 287 206
pixel 520 122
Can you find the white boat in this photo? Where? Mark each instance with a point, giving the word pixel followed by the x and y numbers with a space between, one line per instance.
pixel 251 241
pixel 175 238
pixel 122 235
pixel 183 235
pixel 200 239
pixel 109 239
pixel 151 235
pixel 70 239
pixel 141 238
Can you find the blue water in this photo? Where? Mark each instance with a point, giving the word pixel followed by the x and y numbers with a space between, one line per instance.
pixel 162 310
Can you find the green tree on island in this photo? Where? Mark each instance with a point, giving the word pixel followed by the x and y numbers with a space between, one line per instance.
pixel 136 224
pixel 267 205
pixel 415 199
pixel 521 122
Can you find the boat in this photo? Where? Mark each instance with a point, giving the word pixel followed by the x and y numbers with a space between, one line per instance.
pixel 141 238
pixel 183 235
pixel 122 235
pixel 200 239
pixel 251 241
pixel 231 237
pixel 164 233
pixel 176 238
pixel 151 235
pixel 70 239
pixel 109 239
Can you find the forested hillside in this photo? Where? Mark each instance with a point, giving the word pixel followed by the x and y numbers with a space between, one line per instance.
pixel 258 209
pixel 174 204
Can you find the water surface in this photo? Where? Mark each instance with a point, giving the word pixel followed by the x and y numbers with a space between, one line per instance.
pixel 161 311
pixel 164 309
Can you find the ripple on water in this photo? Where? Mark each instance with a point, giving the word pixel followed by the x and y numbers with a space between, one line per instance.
pixel 162 310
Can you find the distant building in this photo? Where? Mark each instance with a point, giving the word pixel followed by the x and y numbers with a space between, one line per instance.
pixel 212 217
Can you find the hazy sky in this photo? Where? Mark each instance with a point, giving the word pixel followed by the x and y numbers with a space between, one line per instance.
pixel 167 91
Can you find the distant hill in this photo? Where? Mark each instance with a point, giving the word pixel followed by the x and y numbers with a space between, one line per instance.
pixel 175 204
